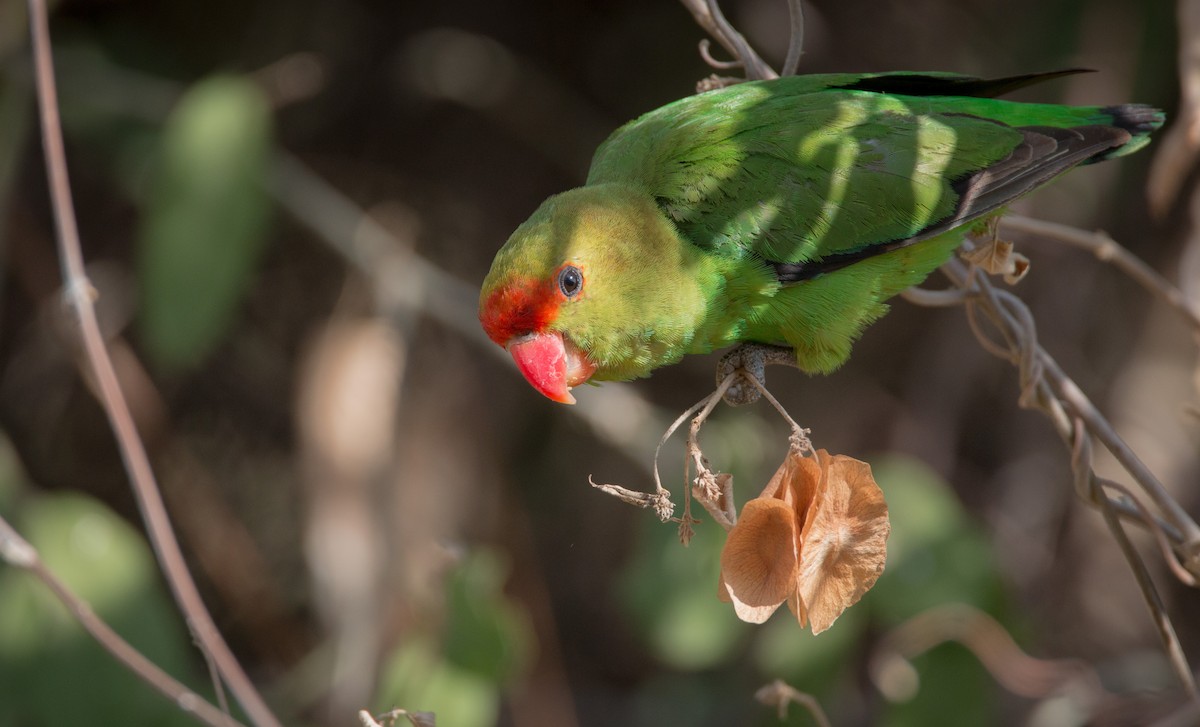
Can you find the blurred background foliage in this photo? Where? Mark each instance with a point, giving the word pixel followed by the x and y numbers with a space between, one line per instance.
pixel 287 208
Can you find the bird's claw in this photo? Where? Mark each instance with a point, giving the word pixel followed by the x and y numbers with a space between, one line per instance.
pixel 750 360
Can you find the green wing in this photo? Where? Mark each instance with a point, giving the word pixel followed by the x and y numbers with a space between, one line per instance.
pixel 813 173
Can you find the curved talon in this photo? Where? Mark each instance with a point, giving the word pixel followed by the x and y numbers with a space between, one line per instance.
pixel 750 359
pixel 742 390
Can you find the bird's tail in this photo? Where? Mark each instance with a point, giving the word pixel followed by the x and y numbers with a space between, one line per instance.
pixel 1139 120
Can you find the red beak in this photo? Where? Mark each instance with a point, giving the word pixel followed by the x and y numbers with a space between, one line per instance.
pixel 551 364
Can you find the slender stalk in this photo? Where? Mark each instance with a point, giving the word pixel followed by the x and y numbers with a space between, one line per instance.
pixel 18 552
pixel 1108 250
pixel 795 39
pixel 79 295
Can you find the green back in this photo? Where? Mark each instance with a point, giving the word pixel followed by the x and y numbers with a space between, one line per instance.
pixel 799 168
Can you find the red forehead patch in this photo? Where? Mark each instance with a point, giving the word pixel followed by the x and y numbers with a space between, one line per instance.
pixel 517 308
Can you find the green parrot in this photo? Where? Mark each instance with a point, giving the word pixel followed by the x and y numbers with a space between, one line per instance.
pixel 782 212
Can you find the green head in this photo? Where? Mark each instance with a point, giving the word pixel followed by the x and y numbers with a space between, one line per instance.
pixel 596 284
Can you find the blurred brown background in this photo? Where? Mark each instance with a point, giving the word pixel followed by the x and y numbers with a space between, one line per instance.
pixel 379 509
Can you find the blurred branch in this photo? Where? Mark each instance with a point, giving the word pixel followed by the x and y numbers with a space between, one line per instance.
pixel 405 283
pixel 19 553
pixel 1044 386
pixel 892 671
pixel 1179 147
pixel 780 694
pixel 79 295
pixel 1108 250
pixel 388 719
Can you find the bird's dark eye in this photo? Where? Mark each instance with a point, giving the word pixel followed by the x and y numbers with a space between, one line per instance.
pixel 570 281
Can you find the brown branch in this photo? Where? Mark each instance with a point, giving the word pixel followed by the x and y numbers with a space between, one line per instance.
pixel 795 38
pixel 995 648
pixel 1061 398
pixel 1106 249
pixel 1180 145
pixel 708 15
pixel 1044 386
pixel 1158 610
pixel 99 371
pixel 19 553
pixel 780 694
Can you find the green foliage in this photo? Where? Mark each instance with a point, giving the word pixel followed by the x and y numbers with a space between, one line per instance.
pixel 936 556
pixel 419 678
pixel 485 633
pixel 486 644
pixel 671 593
pixel 815 664
pixel 51 671
pixel 205 219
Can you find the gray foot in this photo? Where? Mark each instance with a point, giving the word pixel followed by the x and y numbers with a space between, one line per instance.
pixel 750 359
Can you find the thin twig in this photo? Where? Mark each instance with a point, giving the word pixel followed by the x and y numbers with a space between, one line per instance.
pixel 927 298
pixel 1158 610
pixel 711 60
pixel 79 294
pixel 995 648
pixel 708 15
pixel 1108 250
pixel 1067 395
pixel 1160 536
pixel 795 38
pixel 1046 387
pixel 780 694
pixel 18 552
pixel 712 489
pixel 1081 457
pixel 1078 403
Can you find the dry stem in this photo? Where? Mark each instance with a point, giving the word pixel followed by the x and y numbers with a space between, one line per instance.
pixel 79 295
pixel 1044 386
pixel 708 15
pixel 1108 250
pixel 19 553
pixel 892 671
pixel 780 694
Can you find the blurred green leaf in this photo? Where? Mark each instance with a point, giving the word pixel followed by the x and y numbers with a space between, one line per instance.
pixel 484 633
pixel 51 671
pixel 954 690
pixel 814 664
pixel 936 556
pixel 671 592
pixel 417 678
pixel 205 219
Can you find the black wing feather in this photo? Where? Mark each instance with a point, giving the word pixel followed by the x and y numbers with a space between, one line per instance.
pixel 920 84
